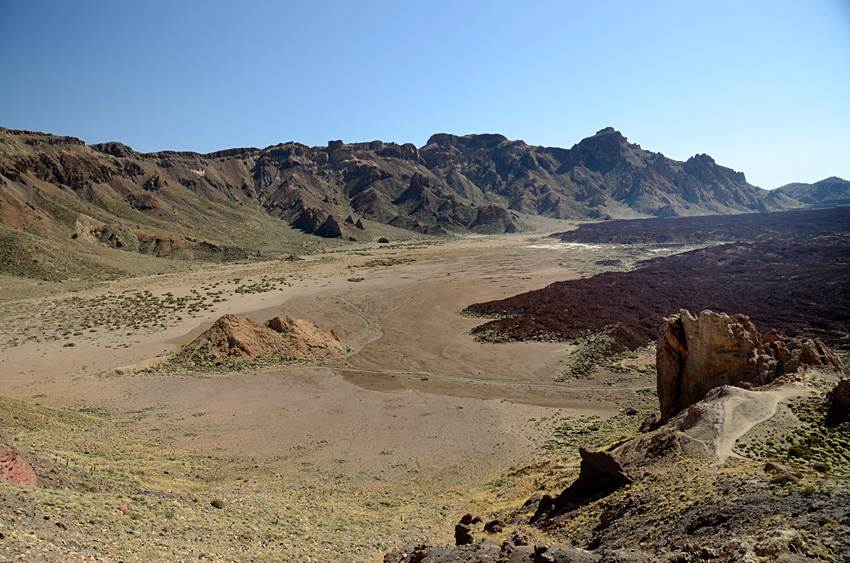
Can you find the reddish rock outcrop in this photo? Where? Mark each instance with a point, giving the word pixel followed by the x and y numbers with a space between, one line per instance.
pixel 237 338
pixel 13 469
pixel 697 354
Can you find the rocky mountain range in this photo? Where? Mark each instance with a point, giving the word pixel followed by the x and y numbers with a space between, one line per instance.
pixel 829 191
pixel 186 204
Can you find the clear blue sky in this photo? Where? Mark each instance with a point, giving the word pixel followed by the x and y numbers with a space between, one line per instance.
pixel 762 86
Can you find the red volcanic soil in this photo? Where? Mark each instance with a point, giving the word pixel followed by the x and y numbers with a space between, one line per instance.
pixel 800 288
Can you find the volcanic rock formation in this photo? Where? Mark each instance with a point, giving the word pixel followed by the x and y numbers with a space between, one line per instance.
pixel 236 338
pixel 453 183
pixel 697 354
pixel 840 400
pixel 13 469
pixel 601 473
pixel 726 527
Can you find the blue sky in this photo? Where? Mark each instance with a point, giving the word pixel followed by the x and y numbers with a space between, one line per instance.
pixel 762 86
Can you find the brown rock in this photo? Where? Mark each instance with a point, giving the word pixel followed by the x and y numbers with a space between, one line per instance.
pixel 329 229
pixel 309 220
pixel 154 184
pixel 520 538
pixel 13 469
pixel 815 353
pixel 775 467
pixel 469 519
pixel 494 526
pixel 600 474
pixel 238 338
pixel 306 339
pixel 697 354
pixel 123 509
pixel 463 534
pixel 648 424
pixel 840 400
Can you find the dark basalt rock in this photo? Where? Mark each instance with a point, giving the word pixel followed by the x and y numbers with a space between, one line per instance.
pixel 600 474
pixel 329 229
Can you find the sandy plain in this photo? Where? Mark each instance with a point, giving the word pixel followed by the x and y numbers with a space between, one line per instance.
pixel 416 404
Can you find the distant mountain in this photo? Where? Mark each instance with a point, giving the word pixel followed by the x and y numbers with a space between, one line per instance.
pixel 214 205
pixel 829 191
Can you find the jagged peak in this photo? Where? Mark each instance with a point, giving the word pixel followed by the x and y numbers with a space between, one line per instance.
pixel 225 153
pixel 113 148
pixel 608 131
pixel 607 144
pixel 702 157
pixel 475 140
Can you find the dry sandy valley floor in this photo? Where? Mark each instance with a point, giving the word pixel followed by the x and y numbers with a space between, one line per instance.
pixel 400 430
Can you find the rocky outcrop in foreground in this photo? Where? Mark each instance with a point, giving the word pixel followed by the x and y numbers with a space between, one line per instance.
pixel 13 469
pixel 519 548
pixel 697 354
pixel 234 338
pixel 674 505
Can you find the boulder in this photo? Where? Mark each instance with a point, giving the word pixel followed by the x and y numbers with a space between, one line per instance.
pixel 309 220
pixel 774 467
pixel 329 229
pixel 697 354
pixel 601 473
pixel 469 519
pixel 494 526
pixel 13 469
pixel 463 534
pixel 840 400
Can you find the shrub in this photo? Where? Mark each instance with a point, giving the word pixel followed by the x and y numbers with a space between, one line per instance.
pixel 822 467
pixel 801 451
pixel 782 479
pixel 217 503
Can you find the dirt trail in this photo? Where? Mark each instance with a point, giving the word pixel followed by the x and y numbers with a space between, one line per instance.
pixel 736 412
pixel 742 413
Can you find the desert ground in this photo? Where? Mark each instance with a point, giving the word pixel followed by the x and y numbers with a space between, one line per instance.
pixel 416 411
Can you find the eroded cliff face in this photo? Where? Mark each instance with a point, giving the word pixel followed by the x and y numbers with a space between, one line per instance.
pixel 698 353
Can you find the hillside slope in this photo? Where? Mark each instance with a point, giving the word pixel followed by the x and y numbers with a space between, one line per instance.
pixel 238 202
pixel 829 191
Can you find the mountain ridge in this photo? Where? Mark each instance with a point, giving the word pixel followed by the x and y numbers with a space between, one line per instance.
pixel 59 188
